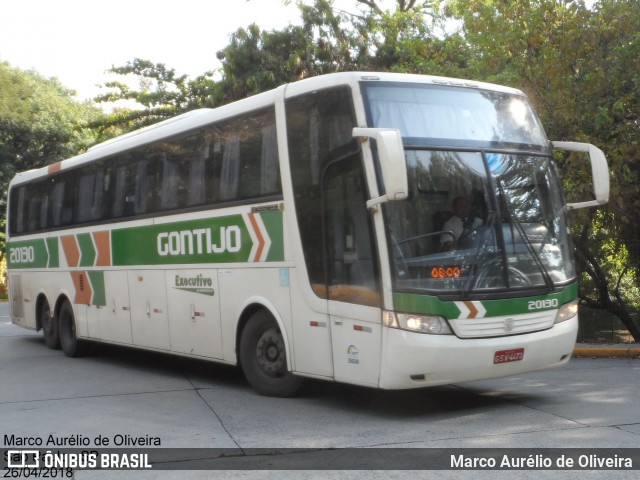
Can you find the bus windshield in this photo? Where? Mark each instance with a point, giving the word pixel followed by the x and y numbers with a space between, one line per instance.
pixel 440 115
pixel 484 214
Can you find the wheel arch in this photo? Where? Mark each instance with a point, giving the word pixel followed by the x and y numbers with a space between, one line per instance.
pixel 63 297
pixel 250 307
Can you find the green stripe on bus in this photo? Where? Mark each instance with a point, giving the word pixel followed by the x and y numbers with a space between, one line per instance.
pixel 432 305
pixel 96 278
pixel 212 240
pixel 273 223
pixel 426 304
pixel 52 247
pixel 512 306
pixel 87 250
pixel 27 254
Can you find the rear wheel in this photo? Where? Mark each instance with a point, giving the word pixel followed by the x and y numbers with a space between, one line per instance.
pixel 71 346
pixel 49 325
pixel 263 357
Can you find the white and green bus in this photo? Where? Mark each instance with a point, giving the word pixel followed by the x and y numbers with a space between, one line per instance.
pixel 310 231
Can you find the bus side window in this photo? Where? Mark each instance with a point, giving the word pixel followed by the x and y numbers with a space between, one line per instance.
pixel 44 206
pixel 330 197
pixel 215 166
pixel 144 188
pixel 19 209
pixel 63 201
pixel 170 184
pixel 352 266
pixel 134 190
pixel 269 168
pixel 230 171
pixel 90 195
pixel 56 207
pixel 259 172
pixel 244 157
pixel 196 181
pixel 120 193
pixel 37 206
pixel 180 165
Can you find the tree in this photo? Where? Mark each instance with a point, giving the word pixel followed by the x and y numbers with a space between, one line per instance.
pixel 161 94
pixel 40 123
pixel 255 60
pixel 579 66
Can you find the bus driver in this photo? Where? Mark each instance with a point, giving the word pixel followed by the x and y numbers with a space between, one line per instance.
pixel 460 224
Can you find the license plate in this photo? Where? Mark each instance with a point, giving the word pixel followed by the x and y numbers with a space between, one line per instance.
pixel 506 356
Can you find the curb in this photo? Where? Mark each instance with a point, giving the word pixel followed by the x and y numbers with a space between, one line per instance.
pixel 625 351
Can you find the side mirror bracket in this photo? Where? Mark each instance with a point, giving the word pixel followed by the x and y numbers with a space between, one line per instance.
pixel 393 166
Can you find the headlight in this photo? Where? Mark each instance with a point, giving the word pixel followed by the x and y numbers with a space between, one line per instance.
pixel 567 312
pixel 432 325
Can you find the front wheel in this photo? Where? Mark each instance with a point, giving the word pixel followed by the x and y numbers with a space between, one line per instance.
pixel 71 345
pixel 263 357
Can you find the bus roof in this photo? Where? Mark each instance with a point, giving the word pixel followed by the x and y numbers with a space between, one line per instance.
pixel 202 117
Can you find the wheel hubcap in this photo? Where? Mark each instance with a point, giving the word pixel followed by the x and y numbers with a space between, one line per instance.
pixel 270 352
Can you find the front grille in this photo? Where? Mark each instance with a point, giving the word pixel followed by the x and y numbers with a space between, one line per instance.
pixel 504 325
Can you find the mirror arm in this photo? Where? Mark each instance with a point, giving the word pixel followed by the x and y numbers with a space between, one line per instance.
pixel 372 204
pixel 392 162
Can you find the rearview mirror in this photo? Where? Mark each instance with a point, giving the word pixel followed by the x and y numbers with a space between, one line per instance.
pixel 393 166
pixel 599 172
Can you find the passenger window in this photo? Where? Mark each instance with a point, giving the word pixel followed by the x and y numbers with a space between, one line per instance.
pixel 37 206
pixel 19 209
pixel 135 186
pixel 182 173
pixel 230 172
pixel 244 157
pixel 91 194
pixel 196 181
pixel 63 201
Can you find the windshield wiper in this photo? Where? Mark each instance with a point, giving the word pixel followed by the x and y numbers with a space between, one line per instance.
pixel 527 242
pixel 466 288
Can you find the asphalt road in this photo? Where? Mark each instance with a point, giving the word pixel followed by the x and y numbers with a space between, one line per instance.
pixel 118 392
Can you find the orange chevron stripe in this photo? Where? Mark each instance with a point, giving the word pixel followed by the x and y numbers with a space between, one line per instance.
pixel 84 293
pixel 473 311
pixel 55 168
pixel 261 242
pixel 71 250
pixel 103 245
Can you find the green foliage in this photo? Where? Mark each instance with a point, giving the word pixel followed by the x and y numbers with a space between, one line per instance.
pixel 161 94
pixel 614 261
pixel 257 60
pixel 580 67
pixel 40 123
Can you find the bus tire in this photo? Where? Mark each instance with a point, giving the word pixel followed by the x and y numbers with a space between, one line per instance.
pixel 263 357
pixel 49 325
pixel 71 345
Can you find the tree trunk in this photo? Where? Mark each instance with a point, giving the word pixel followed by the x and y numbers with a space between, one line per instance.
pixel 588 263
